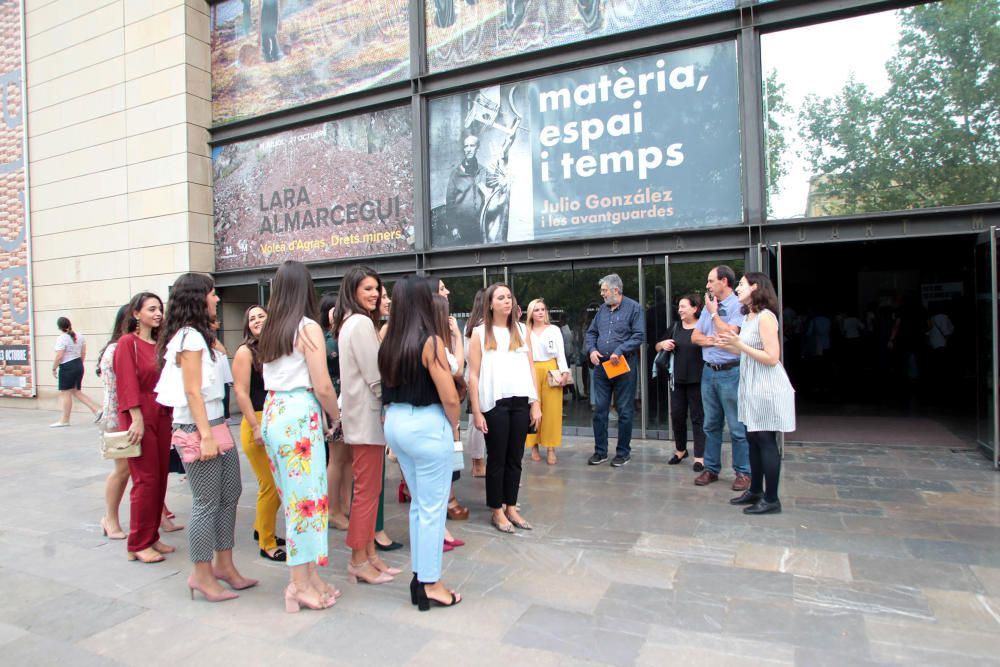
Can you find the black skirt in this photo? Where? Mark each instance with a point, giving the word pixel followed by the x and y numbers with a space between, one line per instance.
pixel 71 375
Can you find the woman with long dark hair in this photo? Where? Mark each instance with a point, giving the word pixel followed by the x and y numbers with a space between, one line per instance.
pixel 355 323
pixel 137 371
pixel 248 384
pixel 67 368
pixel 422 412
pixel 504 397
pixel 192 383
pixel 299 391
pixel 475 441
pixel 766 400
pixel 114 487
pixel 338 468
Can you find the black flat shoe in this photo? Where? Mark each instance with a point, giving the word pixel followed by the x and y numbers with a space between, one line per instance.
pixel 279 555
pixel 674 460
pixel 763 507
pixel 745 498
pixel 392 546
pixel 279 540
pixel 698 466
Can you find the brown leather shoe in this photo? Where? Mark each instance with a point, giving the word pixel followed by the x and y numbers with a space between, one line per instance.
pixel 706 478
pixel 741 483
pixel 456 512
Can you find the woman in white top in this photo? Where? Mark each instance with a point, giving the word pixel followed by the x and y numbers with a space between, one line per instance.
pixel 67 368
pixel 504 398
pixel 114 487
pixel 299 390
pixel 549 356
pixel 192 384
pixel 354 324
pixel 766 400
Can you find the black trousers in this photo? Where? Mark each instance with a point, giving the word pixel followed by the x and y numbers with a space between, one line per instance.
pixel 684 399
pixel 765 463
pixel 508 425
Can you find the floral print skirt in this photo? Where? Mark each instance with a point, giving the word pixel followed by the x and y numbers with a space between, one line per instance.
pixel 293 434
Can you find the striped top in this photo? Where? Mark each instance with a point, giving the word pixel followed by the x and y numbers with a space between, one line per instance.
pixel 766 397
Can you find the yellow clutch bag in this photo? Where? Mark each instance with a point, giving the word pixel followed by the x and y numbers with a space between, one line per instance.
pixel 115 445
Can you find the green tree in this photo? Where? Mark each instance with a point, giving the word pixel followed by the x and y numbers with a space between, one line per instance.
pixel 776 147
pixel 933 138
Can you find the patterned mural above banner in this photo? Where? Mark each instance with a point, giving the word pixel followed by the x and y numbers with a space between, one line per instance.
pixel 16 353
pixel 269 55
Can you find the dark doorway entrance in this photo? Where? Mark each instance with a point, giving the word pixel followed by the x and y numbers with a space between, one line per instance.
pixel 880 340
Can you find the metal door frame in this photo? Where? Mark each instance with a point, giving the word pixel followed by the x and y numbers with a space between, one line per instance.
pixel 989 240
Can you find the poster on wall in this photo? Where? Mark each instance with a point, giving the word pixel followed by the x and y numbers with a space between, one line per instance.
pixel 331 191
pixel 16 353
pixel 644 145
pixel 276 54
pixel 465 32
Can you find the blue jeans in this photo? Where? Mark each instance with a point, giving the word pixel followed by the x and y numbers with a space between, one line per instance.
pixel 719 391
pixel 623 387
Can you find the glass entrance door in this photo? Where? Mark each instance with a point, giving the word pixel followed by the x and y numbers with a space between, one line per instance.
pixel 987 337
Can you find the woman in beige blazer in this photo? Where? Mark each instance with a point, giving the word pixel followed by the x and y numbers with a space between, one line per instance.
pixel 354 325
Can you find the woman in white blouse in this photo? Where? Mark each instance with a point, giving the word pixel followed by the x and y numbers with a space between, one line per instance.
pixel 504 400
pixel 549 358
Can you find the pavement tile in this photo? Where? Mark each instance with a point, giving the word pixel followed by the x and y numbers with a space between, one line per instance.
pixel 576 635
pixel 804 562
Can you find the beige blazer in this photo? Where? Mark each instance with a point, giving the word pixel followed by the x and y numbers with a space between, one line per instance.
pixel 360 382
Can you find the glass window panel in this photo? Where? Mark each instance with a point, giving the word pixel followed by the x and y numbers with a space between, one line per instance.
pixel 889 111
pixel 277 54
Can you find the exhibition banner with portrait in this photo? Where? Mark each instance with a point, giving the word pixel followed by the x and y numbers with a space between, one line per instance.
pixel 650 144
pixel 330 191
pixel 269 55
pixel 465 32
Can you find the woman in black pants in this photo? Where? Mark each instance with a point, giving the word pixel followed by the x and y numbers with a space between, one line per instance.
pixel 685 382
pixel 504 398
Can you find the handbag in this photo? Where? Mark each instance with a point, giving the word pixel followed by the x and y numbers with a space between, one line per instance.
pixel 662 358
pixel 554 379
pixel 188 445
pixel 458 457
pixel 116 445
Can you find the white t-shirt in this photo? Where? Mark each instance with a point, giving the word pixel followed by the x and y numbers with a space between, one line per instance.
pixel 941 329
pixel 170 388
pixel 503 373
pixel 549 345
pixel 72 349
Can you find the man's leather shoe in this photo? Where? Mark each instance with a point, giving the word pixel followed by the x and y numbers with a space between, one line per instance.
pixel 763 507
pixel 741 483
pixel 745 498
pixel 706 478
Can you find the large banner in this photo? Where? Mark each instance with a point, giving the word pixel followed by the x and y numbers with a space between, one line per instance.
pixel 331 191
pixel 644 145
pixel 276 54
pixel 16 354
pixel 463 32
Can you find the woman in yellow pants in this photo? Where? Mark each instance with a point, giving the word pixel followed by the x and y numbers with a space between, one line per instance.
pixel 549 354
pixel 248 384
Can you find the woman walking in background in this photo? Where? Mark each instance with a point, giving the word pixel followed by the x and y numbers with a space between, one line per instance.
pixel 338 469
pixel 137 371
pixel 192 383
pixel 766 400
pixel 504 400
pixel 355 324
pixel 299 391
pixel 550 360
pixel 114 487
pixel 422 412
pixel 67 368
pixel 685 382
pixel 248 383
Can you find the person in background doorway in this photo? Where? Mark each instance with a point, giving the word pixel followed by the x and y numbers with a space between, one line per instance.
pixel 67 368
pixel 549 355
pixel 475 442
pixel 685 382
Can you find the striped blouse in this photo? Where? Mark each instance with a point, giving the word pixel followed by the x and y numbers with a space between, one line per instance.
pixel 766 398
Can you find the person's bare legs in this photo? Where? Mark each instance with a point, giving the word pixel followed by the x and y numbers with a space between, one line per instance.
pixel 86 400
pixel 338 475
pixel 225 568
pixel 114 491
pixel 66 404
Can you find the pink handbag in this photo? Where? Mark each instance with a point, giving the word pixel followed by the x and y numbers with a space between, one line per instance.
pixel 188 445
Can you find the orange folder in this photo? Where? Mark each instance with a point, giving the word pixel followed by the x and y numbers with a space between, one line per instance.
pixel 612 371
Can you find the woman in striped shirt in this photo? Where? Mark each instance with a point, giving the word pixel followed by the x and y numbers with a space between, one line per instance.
pixel 766 398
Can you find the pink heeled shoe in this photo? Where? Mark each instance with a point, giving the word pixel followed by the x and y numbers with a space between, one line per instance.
pixel 294 601
pixel 237 584
pixel 211 597
pixel 356 573
pixel 391 571
pixel 111 534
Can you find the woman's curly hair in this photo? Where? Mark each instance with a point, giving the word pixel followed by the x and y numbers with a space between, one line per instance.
pixel 187 307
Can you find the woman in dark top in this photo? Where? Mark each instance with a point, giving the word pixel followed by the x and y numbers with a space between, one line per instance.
pixel 685 381
pixel 421 424
pixel 248 383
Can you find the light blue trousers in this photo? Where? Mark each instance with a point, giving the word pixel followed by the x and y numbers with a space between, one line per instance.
pixel 422 440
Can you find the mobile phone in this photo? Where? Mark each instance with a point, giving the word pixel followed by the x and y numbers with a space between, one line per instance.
pixel 532 429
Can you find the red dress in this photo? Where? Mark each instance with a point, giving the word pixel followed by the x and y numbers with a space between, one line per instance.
pixel 137 372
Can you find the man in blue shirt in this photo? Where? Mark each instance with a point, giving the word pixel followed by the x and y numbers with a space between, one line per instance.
pixel 720 380
pixel 616 333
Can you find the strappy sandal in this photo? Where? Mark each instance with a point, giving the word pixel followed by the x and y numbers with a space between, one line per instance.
pixel 279 555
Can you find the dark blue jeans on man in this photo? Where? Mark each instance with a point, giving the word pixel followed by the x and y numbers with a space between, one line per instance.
pixel 719 392
pixel 623 388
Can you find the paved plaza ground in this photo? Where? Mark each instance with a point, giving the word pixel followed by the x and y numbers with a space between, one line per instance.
pixel 883 555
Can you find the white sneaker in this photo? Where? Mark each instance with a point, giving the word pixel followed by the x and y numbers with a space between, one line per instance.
pixel 59 425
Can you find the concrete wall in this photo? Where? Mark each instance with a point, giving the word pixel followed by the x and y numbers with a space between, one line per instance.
pixel 119 102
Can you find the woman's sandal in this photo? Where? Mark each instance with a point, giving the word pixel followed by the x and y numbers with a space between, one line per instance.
pixel 279 555
pixel 551 458
pixel 137 556
pixel 535 456
pixel 424 601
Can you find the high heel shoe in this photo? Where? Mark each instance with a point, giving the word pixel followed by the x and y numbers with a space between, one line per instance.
pixel 294 601
pixel 237 584
pixel 413 589
pixel 454 543
pixel 162 548
pixel 356 573
pixel 168 526
pixel 380 565
pixel 424 602
pixel 211 597
pixel 137 555
pixel 110 534
pixel 404 492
